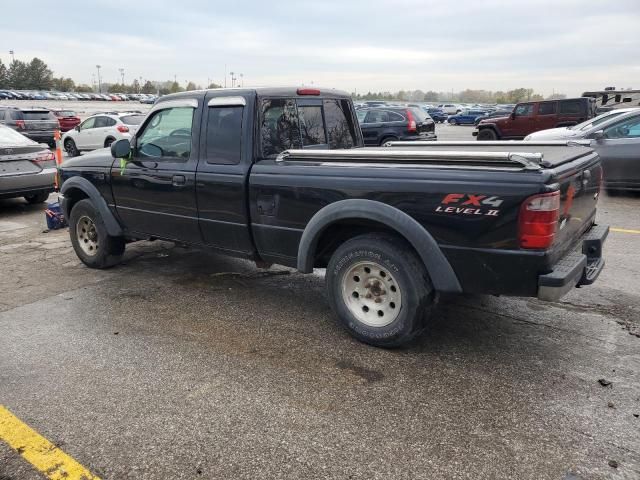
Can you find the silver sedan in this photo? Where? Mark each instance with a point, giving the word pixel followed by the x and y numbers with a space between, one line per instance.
pixel 615 135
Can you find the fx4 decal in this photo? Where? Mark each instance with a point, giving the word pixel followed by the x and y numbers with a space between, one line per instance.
pixel 470 204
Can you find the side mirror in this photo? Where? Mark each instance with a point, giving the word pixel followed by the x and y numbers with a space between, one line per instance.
pixel 77 128
pixel 513 115
pixel 121 148
pixel 598 135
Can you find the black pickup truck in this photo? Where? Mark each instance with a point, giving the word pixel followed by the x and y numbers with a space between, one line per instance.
pixel 280 175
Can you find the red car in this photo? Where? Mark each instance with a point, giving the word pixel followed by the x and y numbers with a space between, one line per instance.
pixel 67 119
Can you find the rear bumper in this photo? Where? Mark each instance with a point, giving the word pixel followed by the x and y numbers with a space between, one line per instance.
pixel 579 267
pixel 423 137
pixel 18 185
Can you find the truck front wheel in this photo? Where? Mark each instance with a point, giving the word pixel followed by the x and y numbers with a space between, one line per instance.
pixel 487 134
pixel 379 289
pixel 89 237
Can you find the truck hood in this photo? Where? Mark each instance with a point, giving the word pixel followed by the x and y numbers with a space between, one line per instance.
pixel 96 158
pixel 560 133
pixel 493 120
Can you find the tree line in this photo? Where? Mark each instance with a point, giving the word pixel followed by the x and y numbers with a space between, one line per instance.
pixel 36 75
pixel 465 96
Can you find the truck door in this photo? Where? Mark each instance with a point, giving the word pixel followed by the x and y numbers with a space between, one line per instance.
pixel 155 193
pixel 547 115
pixel 221 178
pixel 522 123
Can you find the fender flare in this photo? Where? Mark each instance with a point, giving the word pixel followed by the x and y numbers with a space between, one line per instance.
pixel 111 223
pixel 492 126
pixel 442 275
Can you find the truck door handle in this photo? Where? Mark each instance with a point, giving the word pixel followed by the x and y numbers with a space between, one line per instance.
pixel 178 180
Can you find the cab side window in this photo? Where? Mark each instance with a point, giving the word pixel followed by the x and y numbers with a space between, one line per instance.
pixel 224 135
pixel 167 135
pixel 547 108
pixel 628 128
pixel 279 126
pixel 524 110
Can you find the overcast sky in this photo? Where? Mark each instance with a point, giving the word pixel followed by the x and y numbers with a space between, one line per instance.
pixel 564 45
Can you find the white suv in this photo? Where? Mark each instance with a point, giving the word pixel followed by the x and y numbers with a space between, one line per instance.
pixel 100 131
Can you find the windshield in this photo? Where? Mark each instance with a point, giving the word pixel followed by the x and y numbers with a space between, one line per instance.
pixel 595 121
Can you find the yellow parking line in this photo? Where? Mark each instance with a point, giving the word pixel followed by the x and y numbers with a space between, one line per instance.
pixel 624 230
pixel 40 452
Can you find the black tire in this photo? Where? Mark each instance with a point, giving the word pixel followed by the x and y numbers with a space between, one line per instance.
pixel 388 139
pixel 108 249
pixel 453 121
pixel 408 279
pixel 487 134
pixel 612 192
pixel 37 198
pixel 71 148
pixel 108 142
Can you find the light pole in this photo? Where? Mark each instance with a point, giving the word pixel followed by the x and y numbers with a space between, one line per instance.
pixel 99 81
pixel 233 79
pixel 241 80
pixel 13 57
pixel 140 85
pixel 121 70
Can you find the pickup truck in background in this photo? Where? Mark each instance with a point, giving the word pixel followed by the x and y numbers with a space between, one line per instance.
pixel 529 117
pixel 280 175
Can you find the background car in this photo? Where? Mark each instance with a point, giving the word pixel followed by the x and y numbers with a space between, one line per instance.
pixel 67 119
pixel 100 131
pixel 38 124
pixel 384 124
pixel 615 136
pixel 437 115
pixel 466 117
pixel 27 168
pixel 450 108
pixel 529 117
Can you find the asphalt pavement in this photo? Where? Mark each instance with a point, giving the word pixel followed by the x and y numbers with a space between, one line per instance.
pixel 183 364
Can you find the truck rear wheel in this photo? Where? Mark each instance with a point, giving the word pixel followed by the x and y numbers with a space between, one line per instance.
pixel 487 134
pixel 379 289
pixel 89 237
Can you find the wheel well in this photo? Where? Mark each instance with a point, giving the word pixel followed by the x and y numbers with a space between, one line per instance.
pixel 73 196
pixel 386 138
pixel 107 139
pixel 339 232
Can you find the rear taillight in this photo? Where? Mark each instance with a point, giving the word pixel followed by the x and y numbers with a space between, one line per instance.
pixel 538 220
pixel 411 122
pixel 122 128
pixel 20 124
pixel 45 159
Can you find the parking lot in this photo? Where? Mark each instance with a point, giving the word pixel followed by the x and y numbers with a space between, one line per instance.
pixel 183 364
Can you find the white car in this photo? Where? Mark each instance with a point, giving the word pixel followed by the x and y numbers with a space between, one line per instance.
pixel 450 108
pixel 100 131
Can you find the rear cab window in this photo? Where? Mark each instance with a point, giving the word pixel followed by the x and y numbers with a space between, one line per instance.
pixel 290 123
